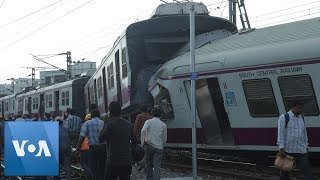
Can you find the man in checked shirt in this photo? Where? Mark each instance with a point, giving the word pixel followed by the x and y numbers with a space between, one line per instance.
pixel 293 140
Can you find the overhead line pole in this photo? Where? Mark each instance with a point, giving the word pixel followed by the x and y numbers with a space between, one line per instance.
pixel 193 77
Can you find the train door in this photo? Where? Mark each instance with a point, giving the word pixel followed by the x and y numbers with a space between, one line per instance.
pixel 42 107
pixel 118 79
pixel 29 105
pixel 211 112
pixel 56 101
pixel 95 92
pixel 222 116
pixel 105 90
pixel 2 108
pixel 89 99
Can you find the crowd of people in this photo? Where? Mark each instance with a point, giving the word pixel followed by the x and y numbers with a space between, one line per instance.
pixel 108 147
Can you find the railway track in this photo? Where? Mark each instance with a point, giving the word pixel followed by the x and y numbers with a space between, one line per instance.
pixel 225 166
pixel 76 172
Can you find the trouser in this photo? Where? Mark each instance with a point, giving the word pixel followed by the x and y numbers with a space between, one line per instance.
pixel 123 172
pixel 84 162
pixel 65 159
pixel 153 162
pixel 74 139
pixel 97 161
pixel 303 164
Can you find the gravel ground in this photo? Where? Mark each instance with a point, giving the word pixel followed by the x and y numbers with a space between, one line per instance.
pixel 167 173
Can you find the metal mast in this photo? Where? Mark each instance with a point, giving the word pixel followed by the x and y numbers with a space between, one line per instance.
pixel 233 11
pixel 194 76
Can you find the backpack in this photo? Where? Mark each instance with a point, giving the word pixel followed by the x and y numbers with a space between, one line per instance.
pixel 286 116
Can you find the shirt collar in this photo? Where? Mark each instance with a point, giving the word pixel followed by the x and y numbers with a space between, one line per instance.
pixel 292 115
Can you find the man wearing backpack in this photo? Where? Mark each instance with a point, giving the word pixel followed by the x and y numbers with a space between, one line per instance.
pixel 293 139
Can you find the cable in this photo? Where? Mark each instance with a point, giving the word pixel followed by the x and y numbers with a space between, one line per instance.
pixel 223 10
pixel 215 3
pixel 287 8
pixel 21 30
pixel 288 19
pixel 29 14
pixel 286 14
pixel 48 24
pixel 2 3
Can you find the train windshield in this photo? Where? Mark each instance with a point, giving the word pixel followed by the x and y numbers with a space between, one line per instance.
pixel 162 50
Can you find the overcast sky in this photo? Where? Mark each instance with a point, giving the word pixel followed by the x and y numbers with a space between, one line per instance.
pixel 88 28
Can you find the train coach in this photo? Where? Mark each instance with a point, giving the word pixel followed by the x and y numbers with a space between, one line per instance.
pixel 245 82
pixel 54 99
pixel 143 47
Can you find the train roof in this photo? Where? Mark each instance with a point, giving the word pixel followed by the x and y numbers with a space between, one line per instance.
pixel 245 49
pixel 7 97
pixel 140 34
pixel 179 9
pixel 55 86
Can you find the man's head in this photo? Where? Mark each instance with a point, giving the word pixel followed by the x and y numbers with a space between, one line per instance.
pixel 115 109
pixel 144 109
pixel 95 113
pixel 72 111
pixel 88 117
pixel 1 118
pixel 296 107
pixel 156 112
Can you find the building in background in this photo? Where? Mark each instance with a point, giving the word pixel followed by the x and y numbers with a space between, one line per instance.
pixel 76 70
pixel 20 85
pixel 5 89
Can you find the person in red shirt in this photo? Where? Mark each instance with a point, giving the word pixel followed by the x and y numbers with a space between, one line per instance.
pixel 141 119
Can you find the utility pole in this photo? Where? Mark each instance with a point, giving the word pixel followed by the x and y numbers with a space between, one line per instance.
pixel 193 78
pixel 33 74
pixel 233 11
pixel 12 84
pixel 69 61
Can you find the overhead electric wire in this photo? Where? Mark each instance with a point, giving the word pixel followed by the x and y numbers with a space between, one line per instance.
pixel 2 3
pixel 273 12
pixel 291 13
pixel 48 24
pixel 264 25
pixel 30 14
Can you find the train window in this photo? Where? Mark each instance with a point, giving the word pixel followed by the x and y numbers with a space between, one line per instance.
pixel 35 103
pixel 124 63
pixel 13 105
pixel 110 76
pixel 48 100
pixel 67 98
pixel 260 98
pixel 6 106
pixel 163 100
pixel 91 94
pixel 299 87
pixel 26 104
pixel 99 87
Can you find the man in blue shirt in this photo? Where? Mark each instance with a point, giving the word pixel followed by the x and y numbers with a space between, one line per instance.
pixel 293 139
pixel 97 150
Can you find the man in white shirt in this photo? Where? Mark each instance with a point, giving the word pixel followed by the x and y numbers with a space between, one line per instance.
pixel 154 136
pixel 293 139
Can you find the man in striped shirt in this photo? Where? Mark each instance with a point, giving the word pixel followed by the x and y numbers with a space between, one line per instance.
pixel 293 140
pixel 74 124
pixel 97 150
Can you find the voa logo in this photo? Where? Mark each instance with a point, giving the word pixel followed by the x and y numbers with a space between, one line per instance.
pixel 31 148
pixel 42 148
